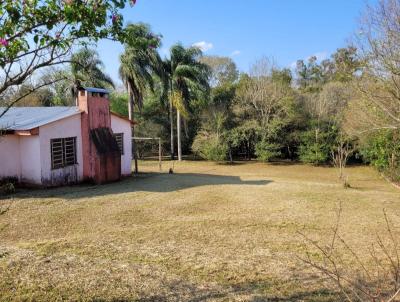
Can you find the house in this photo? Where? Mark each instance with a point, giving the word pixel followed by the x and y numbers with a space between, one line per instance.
pixel 51 146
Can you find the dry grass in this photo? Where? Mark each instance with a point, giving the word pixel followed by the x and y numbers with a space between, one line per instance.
pixel 206 233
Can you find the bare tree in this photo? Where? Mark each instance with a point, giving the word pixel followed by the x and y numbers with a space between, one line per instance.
pixel 377 279
pixel 261 94
pixel 340 155
pixel 378 103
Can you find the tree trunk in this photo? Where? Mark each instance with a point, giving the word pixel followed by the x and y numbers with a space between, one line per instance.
pixel 230 156
pixel 130 112
pixel 130 109
pixel 171 121
pixel 178 130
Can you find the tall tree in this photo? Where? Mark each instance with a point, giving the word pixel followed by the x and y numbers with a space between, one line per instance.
pixel 223 70
pixel 188 81
pixel 87 70
pixel 137 70
pixel 379 84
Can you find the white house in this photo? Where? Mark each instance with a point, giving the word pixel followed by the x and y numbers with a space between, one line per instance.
pixel 52 146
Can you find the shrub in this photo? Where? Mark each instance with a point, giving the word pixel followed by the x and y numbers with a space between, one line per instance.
pixel 382 150
pixel 313 153
pixel 265 150
pixel 210 147
pixel 7 188
pixel 316 145
pixel 7 185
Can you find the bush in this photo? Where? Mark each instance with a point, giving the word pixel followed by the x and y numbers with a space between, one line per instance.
pixel 7 188
pixel 265 150
pixel 382 150
pixel 210 147
pixel 316 145
pixel 313 154
pixel 7 185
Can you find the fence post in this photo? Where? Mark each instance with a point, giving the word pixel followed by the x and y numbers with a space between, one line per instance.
pixel 159 153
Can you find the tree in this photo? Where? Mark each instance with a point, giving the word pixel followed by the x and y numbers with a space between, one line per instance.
pixel 309 75
pixel 138 66
pixel 379 84
pixel 87 70
pixel 263 96
pixel 188 81
pixel 340 154
pixel 35 35
pixel 118 101
pixel 223 70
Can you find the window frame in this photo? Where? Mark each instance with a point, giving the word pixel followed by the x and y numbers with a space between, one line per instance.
pixel 121 148
pixel 66 152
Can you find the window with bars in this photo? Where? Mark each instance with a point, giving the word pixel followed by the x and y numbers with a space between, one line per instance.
pixel 63 152
pixel 119 137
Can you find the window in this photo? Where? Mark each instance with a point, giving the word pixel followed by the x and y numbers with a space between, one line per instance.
pixel 63 152
pixel 119 137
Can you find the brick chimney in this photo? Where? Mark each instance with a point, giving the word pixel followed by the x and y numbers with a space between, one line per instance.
pixel 101 156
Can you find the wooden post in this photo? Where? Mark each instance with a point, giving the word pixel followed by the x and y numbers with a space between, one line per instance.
pixel 159 153
pixel 159 147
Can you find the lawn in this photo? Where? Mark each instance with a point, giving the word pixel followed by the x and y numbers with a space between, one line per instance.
pixel 208 232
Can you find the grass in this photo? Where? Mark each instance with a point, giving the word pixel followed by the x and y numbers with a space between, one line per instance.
pixel 208 232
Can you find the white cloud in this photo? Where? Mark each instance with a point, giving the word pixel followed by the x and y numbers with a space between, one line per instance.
pixel 203 45
pixel 235 53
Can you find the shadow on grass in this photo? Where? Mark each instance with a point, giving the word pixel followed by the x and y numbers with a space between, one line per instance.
pixel 181 291
pixel 146 182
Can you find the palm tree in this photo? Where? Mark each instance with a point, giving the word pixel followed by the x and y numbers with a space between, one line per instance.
pixel 138 67
pixel 87 70
pixel 188 81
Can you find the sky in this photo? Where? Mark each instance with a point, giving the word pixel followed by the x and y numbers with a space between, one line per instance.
pixel 286 30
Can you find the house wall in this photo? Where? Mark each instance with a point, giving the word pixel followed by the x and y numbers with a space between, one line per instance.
pixel 29 149
pixel 10 165
pixel 119 125
pixel 68 127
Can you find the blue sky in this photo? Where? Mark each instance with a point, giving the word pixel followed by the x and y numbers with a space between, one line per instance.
pixel 245 30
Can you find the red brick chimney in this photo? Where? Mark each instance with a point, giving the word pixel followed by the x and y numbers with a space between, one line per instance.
pixel 101 156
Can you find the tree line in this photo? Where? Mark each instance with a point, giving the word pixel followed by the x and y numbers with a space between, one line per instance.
pixel 344 108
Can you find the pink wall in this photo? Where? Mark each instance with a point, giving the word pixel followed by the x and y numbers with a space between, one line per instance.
pixel 68 127
pixel 29 148
pixel 119 125
pixel 20 157
pixel 29 157
pixel 10 164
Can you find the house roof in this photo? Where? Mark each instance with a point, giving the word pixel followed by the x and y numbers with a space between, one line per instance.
pixel 95 90
pixel 27 118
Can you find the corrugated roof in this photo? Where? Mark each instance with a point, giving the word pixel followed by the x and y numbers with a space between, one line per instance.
pixel 95 90
pixel 26 118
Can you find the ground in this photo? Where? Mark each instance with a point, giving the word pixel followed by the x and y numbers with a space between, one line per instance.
pixel 209 232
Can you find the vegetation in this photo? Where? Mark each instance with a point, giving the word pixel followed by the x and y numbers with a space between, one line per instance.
pixel 269 113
